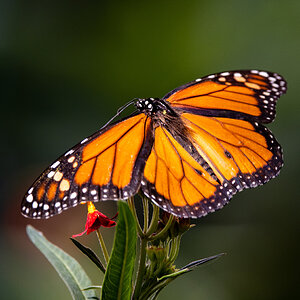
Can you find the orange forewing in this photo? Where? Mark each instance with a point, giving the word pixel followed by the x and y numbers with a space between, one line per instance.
pixel 111 156
pixel 209 95
pixel 100 167
pixel 242 94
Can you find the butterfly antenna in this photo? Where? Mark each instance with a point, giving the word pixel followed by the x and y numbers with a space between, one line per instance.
pixel 119 111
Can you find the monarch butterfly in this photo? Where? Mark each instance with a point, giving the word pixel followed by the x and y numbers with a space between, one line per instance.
pixel 188 152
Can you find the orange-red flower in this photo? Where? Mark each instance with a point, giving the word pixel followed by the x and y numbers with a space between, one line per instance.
pixel 95 219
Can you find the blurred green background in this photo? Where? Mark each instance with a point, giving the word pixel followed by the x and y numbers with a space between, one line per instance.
pixel 66 66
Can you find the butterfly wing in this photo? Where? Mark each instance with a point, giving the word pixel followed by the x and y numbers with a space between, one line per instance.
pixel 230 155
pixel 241 153
pixel 179 182
pixel 248 95
pixel 107 165
pixel 228 149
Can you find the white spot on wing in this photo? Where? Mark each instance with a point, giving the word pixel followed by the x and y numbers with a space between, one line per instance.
pixel 73 195
pixel 71 159
pixel 264 74
pixel 237 74
pixel 29 198
pixel 50 174
pixel 55 164
pixel 69 152
pixel 58 176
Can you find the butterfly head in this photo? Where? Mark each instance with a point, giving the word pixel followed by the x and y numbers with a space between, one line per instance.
pixel 153 106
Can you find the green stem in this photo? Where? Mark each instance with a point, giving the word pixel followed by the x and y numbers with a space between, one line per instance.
pixel 174 249
pixel 141 271
pixel 154 221
pixel 146 214
pixel 156 289
pixel 133 210
pixel 164 230
pixel 156 294
pixel 103 247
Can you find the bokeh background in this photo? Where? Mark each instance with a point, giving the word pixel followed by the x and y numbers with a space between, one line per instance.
pixel 65 68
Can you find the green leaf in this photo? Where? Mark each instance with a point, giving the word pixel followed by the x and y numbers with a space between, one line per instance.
pixel 66 266
pixel 189 267
pixel 90 254
pixel 201 261
pixel 117 283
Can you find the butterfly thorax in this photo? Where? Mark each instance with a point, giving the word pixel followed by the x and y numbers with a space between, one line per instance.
pixel 162 115
pixel 158 110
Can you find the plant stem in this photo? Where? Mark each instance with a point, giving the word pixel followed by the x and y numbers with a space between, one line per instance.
pixel 103 247
pixel 143 245
pixel 141 271
pixel 156 289
pixel 174 249
pixel 164 230
pixel 154 220
pixel 146 214
pixel 132 208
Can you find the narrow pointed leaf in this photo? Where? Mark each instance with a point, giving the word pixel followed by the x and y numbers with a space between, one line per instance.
pixel 90 254
pixel 66 266
pixel 189 267
pixel 117 284
pixel 201 261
